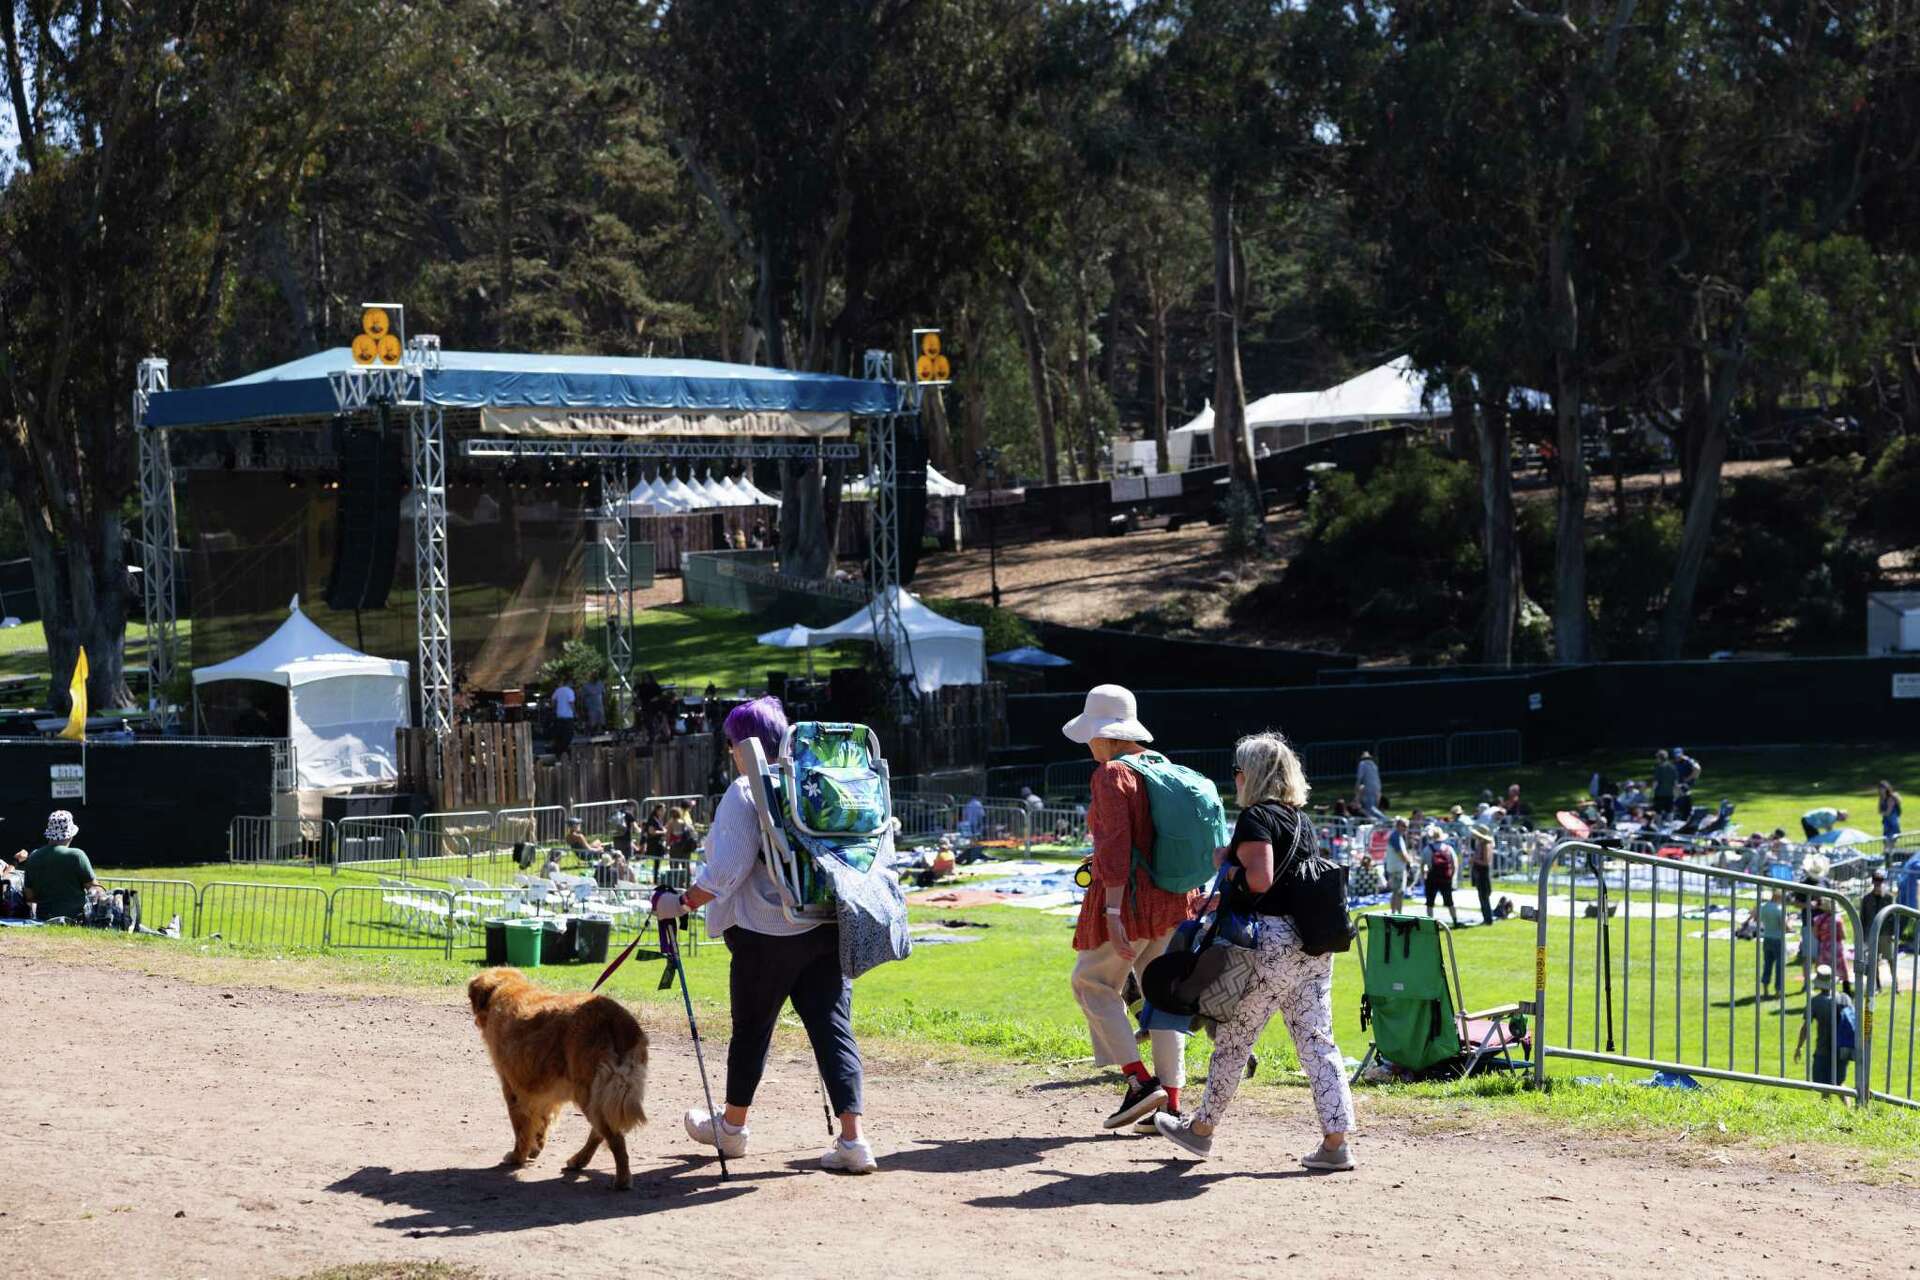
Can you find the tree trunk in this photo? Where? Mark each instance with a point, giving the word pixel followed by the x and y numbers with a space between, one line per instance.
pixel 1030 338
pixel 1159 357
pixel 1711 405
pixel 939 431
pixel 1501 543
pixel 1231 439
pixel 1083 346
pixel 1570 630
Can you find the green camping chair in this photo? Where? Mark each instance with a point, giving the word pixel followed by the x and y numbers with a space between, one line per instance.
pixel 1413 1009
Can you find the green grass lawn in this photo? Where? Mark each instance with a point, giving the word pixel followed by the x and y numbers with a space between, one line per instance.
pixel 694 645
pixel 1772 786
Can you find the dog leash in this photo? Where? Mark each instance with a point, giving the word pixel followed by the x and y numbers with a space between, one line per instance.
pixel 622 957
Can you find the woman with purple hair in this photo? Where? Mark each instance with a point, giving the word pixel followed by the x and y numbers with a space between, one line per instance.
pixel 774 960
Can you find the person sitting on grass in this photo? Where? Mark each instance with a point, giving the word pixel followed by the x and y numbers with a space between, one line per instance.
pixel 59 877
pixel 552 866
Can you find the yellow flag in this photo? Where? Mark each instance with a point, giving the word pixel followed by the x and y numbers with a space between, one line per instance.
pixel 77 718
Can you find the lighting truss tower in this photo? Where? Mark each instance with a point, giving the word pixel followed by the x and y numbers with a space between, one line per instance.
pixel 432 593
pixel 883 577
pixel 616 559
pixel 159 533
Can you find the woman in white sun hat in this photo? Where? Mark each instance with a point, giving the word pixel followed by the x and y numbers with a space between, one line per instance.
pixel 1125 920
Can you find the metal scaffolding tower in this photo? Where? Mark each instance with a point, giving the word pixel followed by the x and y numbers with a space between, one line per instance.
pixel 616 559
pixel 883 576
pixel 158 533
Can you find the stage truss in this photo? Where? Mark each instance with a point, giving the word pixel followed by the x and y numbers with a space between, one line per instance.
pixel 363 388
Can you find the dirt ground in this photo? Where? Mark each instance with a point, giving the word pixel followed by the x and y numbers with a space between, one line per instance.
pixel 158 1127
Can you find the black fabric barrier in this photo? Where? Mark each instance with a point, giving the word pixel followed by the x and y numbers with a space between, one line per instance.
pixel 150 802
pixel 1559 711
pixel 1125 657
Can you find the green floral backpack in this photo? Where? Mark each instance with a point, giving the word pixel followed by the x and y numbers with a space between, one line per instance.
pixel 833 785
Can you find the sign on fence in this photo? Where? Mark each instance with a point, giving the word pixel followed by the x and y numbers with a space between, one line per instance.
pixel 69 781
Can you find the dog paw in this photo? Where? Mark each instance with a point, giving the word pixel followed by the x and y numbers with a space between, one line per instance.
pixel 626 1185
pixel 512 1160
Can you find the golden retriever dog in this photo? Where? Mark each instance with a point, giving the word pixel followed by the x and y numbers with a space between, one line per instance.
pixel 551 1049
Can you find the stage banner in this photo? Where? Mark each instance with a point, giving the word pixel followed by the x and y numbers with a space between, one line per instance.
pixel 562 423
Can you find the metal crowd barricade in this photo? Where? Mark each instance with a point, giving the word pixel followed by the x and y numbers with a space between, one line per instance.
pixel 1484 749
pixel 923 819
pixel 1664 982
pixel 161 901
pixel 597 817
pixel 459 838
pixel 255 838
pixel 1004 781
pixel 377 842
pixel 535 824
pixel 394 916
pixel 280 915
pixel 1215 762
pixel 1057 824
pixel 995 822
pixel 1423 753
pixel 1339 760
pixel 1888 1039
pixel 1068 778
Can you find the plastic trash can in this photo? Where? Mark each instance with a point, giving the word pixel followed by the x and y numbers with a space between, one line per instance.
pixel 497 939
pixel 525 941
pixel 591 934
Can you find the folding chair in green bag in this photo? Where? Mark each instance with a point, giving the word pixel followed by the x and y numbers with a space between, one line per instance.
pixel 1411 999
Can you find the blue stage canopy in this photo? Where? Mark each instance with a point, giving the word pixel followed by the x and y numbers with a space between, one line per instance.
pixel 504 380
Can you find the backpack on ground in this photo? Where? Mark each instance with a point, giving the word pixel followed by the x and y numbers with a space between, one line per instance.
pixel 1188 822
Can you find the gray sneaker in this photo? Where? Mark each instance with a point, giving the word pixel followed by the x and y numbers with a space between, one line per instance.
pixel 1324 1160
pixel 1179 1131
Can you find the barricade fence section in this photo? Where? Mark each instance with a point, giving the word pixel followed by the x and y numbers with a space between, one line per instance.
pixel 1648 962
pixel 599 819
pixel 394 916
pixel 994 822
pixel 382 843
pixel 1397 757
pixel 923 819
pixel 280 915
pixel 261 839
pixel 161 901
pixel 536 825
pixel 1004 781
pixel 1058 825
pixel 1888 1029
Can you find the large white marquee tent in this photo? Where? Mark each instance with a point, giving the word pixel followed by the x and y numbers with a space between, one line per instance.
pixel 938 650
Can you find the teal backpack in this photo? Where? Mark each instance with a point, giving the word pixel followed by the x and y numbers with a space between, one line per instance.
pixel 1188 822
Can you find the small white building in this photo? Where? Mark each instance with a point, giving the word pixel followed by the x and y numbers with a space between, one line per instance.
pixel 1893 622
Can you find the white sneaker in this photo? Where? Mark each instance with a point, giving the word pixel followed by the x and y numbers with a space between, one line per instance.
pixel 701 1127
pixel 849 1157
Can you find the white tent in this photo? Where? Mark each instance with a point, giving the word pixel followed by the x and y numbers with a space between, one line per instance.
pixel 342 705
pixel 938 486
pixel 682 490
pixel 734 495
pixel 753 492
pixel 939 651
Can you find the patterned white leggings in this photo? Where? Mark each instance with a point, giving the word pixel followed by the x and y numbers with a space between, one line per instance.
pixel 1299 987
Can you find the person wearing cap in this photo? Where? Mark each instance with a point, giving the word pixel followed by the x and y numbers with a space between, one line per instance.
pixel 59 878
pixel 1824 1011
pixel 1125 919
pixel 1875 900
pixel 1399 859
pixel 1480 868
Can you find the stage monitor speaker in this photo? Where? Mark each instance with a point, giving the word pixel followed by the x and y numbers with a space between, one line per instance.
pixel 366 538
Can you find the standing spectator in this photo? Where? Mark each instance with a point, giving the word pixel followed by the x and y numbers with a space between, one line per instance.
pixel 58 877
pixel 563 698
pixel 1665 779
pixel 653 833
pixel 1824 1013
pixel 1399 858
pixel 594 694
pixel 1687 767
pixel 1440 864
pixel 973 820
pixel 1830 941
pixel 1773 944
pixel 1126 920
pixel 1889 815
pixel 1516 807
pixel 626 825
pixel 1480 867
pixel 1366 785
pixel 1816 822
pixel 1872 903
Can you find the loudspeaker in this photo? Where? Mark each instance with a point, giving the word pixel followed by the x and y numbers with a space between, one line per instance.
pixel 366 537
pixel 911 507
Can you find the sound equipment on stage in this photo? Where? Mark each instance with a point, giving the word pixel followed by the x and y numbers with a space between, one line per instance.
pixel 367 525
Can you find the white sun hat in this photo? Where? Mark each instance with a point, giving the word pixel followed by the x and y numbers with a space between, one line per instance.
pixel 1111 712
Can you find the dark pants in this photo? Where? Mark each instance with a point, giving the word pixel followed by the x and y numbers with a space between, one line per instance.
pixel 1483 885
pixel 767 972
pixel 1663 805
pixel 1442 886
pixel 1773 964
pixel 562 735
pixel 1809 829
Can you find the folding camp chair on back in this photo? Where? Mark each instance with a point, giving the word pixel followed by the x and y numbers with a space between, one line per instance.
pixel 1411 1000
pixel 827 797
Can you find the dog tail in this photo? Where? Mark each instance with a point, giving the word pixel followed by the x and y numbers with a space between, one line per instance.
pixel 616 1098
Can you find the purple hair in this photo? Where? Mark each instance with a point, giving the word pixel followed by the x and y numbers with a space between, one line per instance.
pixel 763 718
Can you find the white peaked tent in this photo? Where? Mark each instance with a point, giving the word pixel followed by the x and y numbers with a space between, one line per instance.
pixel 684 492
pixel 938 486
pixel 938 650
pixel 342 705
pixel 754 494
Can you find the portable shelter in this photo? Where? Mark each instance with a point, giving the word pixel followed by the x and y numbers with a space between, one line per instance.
pixel 938 651
pixel 342 706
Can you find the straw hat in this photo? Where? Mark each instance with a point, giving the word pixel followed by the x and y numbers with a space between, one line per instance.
pixel 1823 977
pixel 1110 712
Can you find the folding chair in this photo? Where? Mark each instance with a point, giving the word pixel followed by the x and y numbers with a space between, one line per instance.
pixel 1411 1001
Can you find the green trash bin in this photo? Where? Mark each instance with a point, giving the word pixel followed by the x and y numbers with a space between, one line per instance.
pixel 524 939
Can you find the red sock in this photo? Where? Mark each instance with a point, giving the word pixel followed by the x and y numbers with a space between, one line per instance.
pixel 1135 1070
pixel 1173 1096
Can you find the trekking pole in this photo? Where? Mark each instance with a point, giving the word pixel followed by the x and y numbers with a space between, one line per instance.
pixel 826 1108
pixel 669 930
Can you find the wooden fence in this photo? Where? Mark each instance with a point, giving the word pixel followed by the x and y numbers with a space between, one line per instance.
pixel 491 766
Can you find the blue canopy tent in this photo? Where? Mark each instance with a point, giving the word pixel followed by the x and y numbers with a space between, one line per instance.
pixel 506 405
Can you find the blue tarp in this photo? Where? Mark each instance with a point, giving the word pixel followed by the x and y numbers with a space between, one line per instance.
pixel 504 380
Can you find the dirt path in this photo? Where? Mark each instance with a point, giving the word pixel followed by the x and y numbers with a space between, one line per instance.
pixel 162 1128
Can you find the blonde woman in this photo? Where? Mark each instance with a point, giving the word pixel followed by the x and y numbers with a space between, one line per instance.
pixel 1273 845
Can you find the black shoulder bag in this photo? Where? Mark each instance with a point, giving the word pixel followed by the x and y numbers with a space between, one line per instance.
pixel 1316 902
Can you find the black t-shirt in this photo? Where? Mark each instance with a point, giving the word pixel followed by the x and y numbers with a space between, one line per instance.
pixel 1280 826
